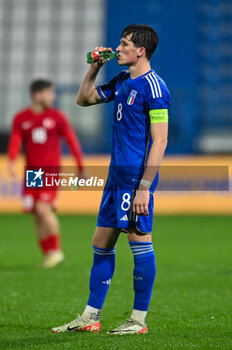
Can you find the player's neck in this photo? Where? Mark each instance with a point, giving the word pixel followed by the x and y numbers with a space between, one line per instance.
pixel 37 108
pixel 140 68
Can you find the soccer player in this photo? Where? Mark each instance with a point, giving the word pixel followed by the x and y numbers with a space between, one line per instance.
pixel 41 127
pixel 140 127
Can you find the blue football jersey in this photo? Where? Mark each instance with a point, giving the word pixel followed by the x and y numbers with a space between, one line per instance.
pixel 131 140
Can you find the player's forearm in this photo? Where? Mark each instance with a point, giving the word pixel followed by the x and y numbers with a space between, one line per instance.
pixel 87 87
pixel 74 145
pixel 13 151
pixel 154 160
pixel 77 153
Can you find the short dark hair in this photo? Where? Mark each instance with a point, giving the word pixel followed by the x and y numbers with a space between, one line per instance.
pixel 40 85
pixel 142 36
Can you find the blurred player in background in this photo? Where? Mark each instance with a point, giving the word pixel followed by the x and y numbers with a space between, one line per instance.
pixel 140 129
pixel 41 127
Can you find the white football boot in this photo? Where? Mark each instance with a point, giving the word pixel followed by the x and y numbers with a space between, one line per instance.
pixel 131 326
pixel 52 259
pixel 79 325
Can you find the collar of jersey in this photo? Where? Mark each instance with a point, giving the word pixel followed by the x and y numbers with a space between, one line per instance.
pixel 141 76
pixel 38 114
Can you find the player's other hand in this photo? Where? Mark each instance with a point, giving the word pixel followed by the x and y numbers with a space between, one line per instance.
pixel 101 49
pixel 141 201
pixel 11 169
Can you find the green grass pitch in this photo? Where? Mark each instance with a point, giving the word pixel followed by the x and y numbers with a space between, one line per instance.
pixel 191 303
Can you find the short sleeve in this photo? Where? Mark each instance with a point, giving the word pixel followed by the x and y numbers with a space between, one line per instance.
pixel 107 91
pixel 161 101
pixel 158 102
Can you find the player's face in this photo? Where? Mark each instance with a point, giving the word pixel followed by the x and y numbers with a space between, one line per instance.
pixel 45 97
pixel 128 53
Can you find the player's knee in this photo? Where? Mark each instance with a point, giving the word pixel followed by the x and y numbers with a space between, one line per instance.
pixel 97 242
pixel 99 239
pixel 102 242
pixel 135 235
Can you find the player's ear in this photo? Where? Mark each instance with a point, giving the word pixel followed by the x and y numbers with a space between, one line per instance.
pixel 141 52
pixel 35 96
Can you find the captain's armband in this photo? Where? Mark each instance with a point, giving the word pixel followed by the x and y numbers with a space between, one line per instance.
pixel 158 116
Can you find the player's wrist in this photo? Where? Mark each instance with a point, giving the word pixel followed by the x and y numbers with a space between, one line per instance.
pixel 96 66
pixel 144 185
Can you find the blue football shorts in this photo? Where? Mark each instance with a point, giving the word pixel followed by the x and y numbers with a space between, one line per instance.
pixel 116 210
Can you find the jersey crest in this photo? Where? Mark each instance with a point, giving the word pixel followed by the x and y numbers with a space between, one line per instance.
pixel 49 123
pixel 131 97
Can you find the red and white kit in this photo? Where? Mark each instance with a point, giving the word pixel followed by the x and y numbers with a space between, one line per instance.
pixel 42 134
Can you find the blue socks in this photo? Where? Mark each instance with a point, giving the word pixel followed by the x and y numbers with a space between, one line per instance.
pixel 103 270
pixel 101 275
pixel 144 273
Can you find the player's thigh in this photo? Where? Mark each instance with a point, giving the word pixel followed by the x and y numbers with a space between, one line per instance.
pixel 105 237
pixel 135 235
pixel 43 209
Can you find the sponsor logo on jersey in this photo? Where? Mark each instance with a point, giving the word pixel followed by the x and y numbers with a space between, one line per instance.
pixel 34 178
pixel 131 97
pixel 49 123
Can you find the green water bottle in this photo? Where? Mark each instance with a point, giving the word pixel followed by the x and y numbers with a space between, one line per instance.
pixel 95 56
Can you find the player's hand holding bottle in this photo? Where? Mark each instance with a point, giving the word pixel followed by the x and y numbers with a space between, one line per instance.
pixel 100 56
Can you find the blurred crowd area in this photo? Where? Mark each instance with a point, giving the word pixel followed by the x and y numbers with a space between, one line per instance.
pixel 50 38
